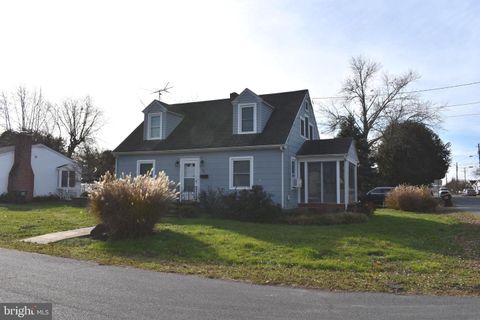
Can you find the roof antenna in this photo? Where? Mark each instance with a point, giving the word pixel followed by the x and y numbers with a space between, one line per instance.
pixel 160 91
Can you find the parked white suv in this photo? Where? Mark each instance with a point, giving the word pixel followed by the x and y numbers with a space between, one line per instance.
pixel 443 191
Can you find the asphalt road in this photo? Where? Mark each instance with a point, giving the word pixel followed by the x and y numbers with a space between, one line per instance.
pixel 470 204
pixel 86 290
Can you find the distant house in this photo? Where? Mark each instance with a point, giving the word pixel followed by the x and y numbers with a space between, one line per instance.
pixel 270 140
pixel 53 173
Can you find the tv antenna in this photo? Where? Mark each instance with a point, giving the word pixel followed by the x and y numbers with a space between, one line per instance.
pixel 163 90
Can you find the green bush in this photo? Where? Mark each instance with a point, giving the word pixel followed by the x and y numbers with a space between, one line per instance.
pixel 305 216
pixel 131 206
pixel 254 205
pixel 411 198
pixel 211 202
pixel 186 210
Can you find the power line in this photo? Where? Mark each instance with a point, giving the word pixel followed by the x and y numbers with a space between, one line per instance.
pixel 447 87
pixel 414 91
pixel 460 104
pixel 465 115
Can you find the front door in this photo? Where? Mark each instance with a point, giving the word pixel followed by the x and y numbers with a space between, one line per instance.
pixel 189 179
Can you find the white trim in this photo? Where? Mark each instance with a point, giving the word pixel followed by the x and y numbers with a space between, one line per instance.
pixel 59 182
pixel 196 161
pixel 230 172
pixel 239 116
pixel 307 127
pixel 139 162
pixel 149 116
pixel 302 127
pixel 321 158
pixel 283 181
pixel 259 147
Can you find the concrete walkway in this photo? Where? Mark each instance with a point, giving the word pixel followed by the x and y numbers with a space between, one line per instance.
pixel 59 236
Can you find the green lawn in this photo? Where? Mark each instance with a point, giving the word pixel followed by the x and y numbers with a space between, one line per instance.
pixel 394 251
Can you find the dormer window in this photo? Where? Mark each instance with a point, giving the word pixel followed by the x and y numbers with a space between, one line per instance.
pixel 154 126
pixel 247 118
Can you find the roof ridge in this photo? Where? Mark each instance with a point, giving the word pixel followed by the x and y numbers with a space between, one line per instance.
pixel 224 99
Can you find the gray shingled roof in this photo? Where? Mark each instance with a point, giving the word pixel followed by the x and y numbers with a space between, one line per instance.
pixel 327 146
pixel 208 124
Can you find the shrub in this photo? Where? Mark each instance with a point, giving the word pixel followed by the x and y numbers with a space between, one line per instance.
pixel 411 198
pixel 254 205
pixel 130 206
pixel 49 198
pixel 305 216
pixel 6 197
pixel 186 210
pixel 212 202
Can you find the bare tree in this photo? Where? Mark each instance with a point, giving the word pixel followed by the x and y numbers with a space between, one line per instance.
pixel 6 124
pixel 375 100
pixel 79 121
pixel 26 110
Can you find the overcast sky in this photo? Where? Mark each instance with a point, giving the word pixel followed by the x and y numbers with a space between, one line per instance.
pixel 118 52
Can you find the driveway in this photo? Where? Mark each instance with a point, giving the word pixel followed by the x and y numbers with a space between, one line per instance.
pixel 86 290
pixel 463 203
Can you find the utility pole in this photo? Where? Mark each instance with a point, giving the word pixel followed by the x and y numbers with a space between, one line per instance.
pixel 456 170
pixel 478 155
pixel 465 173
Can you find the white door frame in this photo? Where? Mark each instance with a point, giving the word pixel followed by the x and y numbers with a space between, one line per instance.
pixel 195 161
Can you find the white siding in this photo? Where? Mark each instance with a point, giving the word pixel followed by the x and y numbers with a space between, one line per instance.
pixel 44 164
pixel 6 163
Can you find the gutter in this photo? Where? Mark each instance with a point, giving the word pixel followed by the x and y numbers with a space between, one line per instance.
pixel 197 150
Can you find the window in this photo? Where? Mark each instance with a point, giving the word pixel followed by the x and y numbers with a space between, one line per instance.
pixel 67 179
pixel 302 127
pixel 154 126
pixel 306 128
pixel 241 172
pixel 306 105
pixel 247 118
pixel 311 132
pixel 293 172
pixel 144 166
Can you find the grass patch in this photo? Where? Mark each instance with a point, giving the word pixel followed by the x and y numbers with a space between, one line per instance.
pixel 393 252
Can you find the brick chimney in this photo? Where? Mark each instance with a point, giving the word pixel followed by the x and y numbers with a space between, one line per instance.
pixel 20 179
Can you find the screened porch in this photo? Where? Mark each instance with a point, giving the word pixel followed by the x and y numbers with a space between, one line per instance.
pixel 327 170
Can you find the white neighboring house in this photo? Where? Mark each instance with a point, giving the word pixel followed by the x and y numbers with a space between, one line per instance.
pixel 54 173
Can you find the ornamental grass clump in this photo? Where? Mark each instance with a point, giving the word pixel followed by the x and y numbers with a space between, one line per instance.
pixel 131 206
pixel 411 198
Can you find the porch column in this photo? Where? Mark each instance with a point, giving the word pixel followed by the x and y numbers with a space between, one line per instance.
pixel 338 182
pixel 356 184
pixel 305 167
pixel 346 166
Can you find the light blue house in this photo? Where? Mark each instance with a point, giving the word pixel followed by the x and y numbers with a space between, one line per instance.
pixel 270 140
